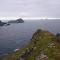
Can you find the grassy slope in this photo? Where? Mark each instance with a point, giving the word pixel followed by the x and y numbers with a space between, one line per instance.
pixel 41 41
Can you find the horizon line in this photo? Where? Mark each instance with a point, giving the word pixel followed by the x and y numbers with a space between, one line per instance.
pixel 26 18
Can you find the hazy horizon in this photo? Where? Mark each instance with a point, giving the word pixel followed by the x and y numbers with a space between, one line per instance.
pixel 27 18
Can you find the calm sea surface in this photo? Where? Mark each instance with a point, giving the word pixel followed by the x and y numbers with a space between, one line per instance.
pixel 18 35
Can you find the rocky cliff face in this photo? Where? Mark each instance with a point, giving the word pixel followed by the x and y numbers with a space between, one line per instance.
pixel 43 46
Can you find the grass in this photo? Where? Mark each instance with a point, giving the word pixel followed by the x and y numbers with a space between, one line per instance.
pixel 41 41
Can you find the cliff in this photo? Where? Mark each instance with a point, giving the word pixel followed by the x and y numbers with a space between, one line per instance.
pixel 43 46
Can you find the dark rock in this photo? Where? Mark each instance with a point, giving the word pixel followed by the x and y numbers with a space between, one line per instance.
pixel 16 21
pixel 20 20
pixel 28 52
pixel 2 23
pixel 7 24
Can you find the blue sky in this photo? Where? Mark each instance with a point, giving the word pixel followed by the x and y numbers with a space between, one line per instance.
pixel 30 8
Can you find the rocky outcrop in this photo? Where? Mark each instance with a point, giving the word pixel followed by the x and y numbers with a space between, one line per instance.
pixel 43 46
pixel 11 21
pixel 2 23
pixel 20 20
pixel 28 52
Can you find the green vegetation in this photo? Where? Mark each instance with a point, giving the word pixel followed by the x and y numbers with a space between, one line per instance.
pixel 43 46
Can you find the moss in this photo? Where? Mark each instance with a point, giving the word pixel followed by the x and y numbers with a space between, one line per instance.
pixel 42 41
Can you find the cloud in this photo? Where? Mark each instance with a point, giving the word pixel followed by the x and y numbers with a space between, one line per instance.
pixel 34 8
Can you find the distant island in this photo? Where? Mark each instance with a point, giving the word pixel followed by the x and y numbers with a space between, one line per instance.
pixel 2 23
pixel 44 45
pixel 20 20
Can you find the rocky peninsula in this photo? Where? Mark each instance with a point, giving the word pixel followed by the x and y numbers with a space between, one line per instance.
pixel 44 45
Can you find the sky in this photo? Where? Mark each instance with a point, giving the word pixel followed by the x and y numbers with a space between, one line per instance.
pixel 29 8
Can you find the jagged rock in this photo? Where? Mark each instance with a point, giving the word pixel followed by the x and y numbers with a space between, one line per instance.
pixel 41 56
pixel 28 52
